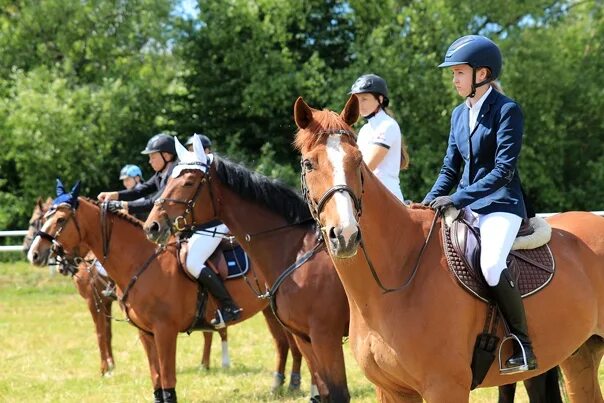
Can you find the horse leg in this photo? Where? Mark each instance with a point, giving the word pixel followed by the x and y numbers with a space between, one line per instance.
pixel 329 356
pixel 165 343
pixel 226 360
pixel 152 357
pixel 106 318
pixel 507 393
pixel 446 390
pixel 581 371
pixel 316 386
pixel 207 348
pixel 282 346
pixel 542 388
pixel 100 325
pixel 385 396
pixel 295 379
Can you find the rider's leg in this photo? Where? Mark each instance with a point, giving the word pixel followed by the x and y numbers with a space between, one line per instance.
pixel 498 231
pixel 201 246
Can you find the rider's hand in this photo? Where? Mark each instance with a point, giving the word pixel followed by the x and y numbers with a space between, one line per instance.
pixel 115 205
pixel 106 196
pixel 441 203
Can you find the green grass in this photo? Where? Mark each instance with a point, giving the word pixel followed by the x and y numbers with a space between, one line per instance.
pixel 48 353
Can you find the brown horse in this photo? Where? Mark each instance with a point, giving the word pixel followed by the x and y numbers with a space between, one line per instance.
pixel 155 294
pixel 91 284
pixel 417 342
pixel 274 226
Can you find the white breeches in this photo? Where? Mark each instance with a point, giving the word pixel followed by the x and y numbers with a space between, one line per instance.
pixel 497 234
pixel 201 246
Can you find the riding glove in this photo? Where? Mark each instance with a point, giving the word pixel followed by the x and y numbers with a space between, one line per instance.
pixel 441 202
pixel 114 205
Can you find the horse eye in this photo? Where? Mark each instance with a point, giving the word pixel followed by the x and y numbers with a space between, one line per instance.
pixel 61 221
pixel 307 164
pixel 188 184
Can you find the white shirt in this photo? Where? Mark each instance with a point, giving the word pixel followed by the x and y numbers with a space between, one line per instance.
pixel 384 131
pixel 475 110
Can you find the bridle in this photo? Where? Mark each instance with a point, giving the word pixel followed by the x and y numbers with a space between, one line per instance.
pixel 56 246
pixel 180 223
pixel 317 207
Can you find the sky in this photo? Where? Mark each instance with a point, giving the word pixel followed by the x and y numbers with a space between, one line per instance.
pixel 187 8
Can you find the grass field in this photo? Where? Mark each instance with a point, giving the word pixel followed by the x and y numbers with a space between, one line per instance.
pixel 48 353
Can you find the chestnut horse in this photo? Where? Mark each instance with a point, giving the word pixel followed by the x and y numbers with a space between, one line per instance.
pixel 417 342
pixel 274 226
pixel 91 284
pixel 156 295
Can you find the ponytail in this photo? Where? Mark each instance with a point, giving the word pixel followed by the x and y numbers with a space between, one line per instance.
pixel 404 156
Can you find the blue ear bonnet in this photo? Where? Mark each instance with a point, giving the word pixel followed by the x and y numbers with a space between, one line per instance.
pixel 70 198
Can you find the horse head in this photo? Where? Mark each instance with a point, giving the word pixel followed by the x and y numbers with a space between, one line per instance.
pixel 173 211
pixel 331 172
pixel 35 222
pixel 60 231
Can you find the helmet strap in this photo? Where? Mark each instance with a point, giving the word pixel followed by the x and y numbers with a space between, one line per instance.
pixel 475 85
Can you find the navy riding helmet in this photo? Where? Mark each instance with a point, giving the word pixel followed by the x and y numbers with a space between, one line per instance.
pixel 476 51
pixel 160 143
pixel 205 140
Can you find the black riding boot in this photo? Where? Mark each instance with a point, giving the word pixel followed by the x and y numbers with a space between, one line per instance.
pixel 510 304
pixel 228 311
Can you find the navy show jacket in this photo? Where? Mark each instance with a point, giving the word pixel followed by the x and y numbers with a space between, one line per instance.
pixel 489 180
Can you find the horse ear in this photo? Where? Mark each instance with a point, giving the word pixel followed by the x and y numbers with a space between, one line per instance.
pixel 60 187
pixel 302 113
pixel 39 203
pixel 350 113
pixel 198 149
pixel 181 151
pixel 75 190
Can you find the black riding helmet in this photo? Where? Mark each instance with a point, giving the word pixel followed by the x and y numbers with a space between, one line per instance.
pixel 160 143
pixel 477 51
pixel 205 140
pixel 371 83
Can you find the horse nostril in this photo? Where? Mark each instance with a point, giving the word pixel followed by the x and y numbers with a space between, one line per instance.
pixel 154 227
pixel 334 233
pixel 35 256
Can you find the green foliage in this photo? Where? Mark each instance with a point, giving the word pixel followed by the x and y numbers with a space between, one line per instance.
pixel 83 85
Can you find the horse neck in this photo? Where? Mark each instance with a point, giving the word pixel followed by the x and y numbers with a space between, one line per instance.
pixel 392 237
pixel 128 250
pixel 271 252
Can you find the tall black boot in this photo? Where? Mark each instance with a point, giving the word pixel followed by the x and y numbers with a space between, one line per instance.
pixel 510 304
pixel 227 311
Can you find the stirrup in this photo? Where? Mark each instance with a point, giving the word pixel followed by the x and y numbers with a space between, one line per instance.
pixel 503 370
pixel 218 321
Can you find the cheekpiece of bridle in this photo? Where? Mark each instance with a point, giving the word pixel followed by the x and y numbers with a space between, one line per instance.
pixel 180 223
pixel 56 247
pixel 317 207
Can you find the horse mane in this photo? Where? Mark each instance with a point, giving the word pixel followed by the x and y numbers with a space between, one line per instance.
pixel 271 193
pixel 127 217
pixel 324 122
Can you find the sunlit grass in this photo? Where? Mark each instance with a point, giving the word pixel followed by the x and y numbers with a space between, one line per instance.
pixel 48 353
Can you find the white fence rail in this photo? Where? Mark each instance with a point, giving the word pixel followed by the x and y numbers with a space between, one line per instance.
pixel 17 248
pixel 12 248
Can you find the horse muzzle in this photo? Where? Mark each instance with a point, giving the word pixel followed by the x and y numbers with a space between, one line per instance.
pixel 343 243
pixel 158 233
pixel 37 257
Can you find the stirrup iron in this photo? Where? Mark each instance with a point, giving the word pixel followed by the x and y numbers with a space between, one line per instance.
pixel 503 370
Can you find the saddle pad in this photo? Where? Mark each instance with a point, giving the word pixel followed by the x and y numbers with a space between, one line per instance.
pixel 533 269
pixel 237 261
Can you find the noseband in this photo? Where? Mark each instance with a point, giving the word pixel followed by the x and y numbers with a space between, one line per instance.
pixel 180 223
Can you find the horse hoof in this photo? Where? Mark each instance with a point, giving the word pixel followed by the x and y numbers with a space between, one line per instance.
pixel 278 381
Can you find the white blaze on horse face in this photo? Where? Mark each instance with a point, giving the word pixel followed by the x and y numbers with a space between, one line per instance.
pixel 344 205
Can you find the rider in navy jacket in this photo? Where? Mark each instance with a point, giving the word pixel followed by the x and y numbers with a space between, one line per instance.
pixel 489 181
pixel 482 160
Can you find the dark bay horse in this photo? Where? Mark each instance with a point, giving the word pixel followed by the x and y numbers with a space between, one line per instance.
pixel 156 295
pixel 273 224
pixel 90 284
pixel 417 342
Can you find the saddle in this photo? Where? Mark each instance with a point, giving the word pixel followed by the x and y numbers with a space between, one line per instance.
pixel 531 268
pixel 229 260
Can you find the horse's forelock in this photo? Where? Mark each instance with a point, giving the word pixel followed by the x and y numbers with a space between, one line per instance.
pixel 324 122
